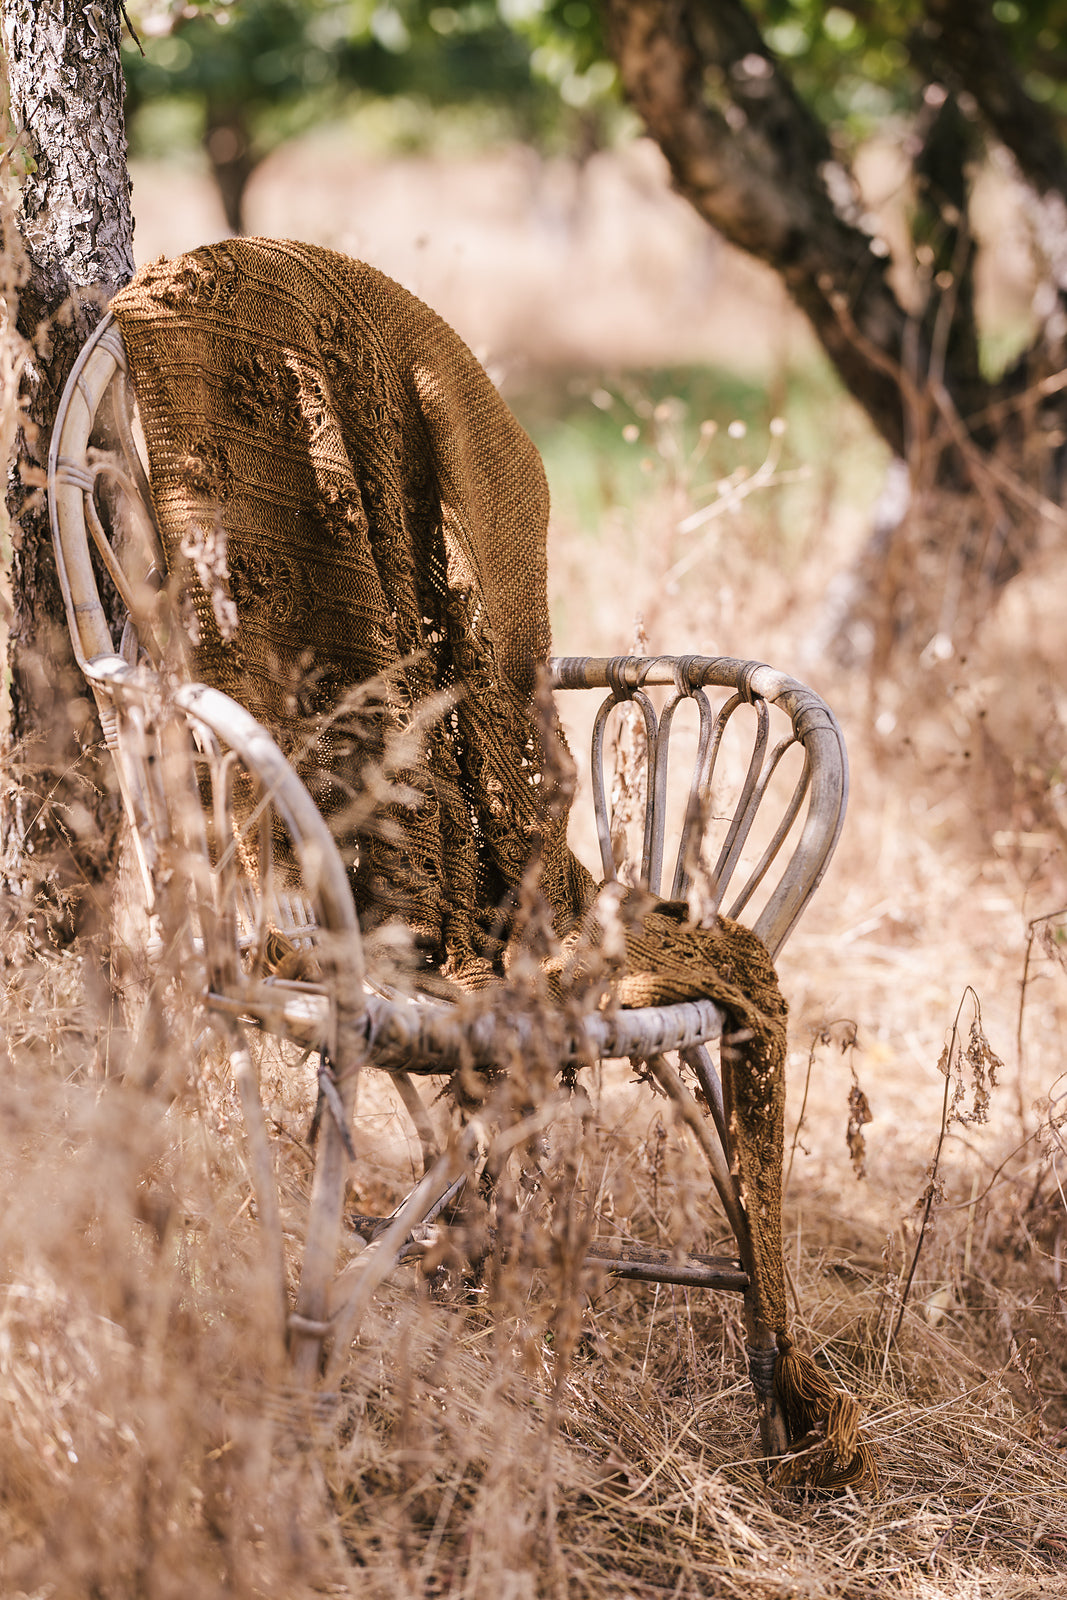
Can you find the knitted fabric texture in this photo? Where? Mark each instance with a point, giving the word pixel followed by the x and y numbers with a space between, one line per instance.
pixel 343 496
pixel 327 455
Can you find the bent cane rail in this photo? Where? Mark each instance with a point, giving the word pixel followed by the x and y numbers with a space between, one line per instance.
pixel 341 1028
pixel 824 780
pixel 72 481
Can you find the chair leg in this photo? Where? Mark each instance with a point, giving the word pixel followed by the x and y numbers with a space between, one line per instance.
pixel 263 1180
pixel 415 1107
pixel 762 1346
pixel 309 1326
pixel 762 1349
pixel 354 1289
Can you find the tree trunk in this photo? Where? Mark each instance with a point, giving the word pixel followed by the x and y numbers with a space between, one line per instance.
pixel 66 96
pixel 756 163
pixel 228 142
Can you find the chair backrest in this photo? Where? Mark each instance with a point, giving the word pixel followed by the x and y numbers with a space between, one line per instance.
pixel 180 748
pixel 761 838
pixel 130 550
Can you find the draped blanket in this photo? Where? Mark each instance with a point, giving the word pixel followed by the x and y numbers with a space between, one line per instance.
pixel 344 496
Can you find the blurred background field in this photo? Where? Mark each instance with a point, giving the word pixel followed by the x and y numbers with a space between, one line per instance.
pixel 663 375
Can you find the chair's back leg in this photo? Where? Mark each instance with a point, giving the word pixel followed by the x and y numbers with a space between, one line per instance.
pixel 415 1107
pixel 264 1185
pixel 762 1351
pixel 760 1339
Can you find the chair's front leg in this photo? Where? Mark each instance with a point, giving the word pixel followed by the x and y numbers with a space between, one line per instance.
pixel 762 1350
pixel 264 1184
pixel 310 1325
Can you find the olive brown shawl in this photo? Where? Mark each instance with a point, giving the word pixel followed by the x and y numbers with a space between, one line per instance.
pixel 345 497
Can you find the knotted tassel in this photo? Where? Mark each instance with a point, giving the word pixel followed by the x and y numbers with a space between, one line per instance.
pixel 824 1423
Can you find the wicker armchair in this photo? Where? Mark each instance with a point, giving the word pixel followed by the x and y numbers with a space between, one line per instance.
pixel 180 750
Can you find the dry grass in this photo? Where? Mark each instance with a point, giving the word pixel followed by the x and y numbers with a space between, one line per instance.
pixel 539 1431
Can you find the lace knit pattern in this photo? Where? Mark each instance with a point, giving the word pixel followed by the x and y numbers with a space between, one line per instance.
pixel 376 503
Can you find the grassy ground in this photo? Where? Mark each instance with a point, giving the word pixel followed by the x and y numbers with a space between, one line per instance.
pixel 546 1433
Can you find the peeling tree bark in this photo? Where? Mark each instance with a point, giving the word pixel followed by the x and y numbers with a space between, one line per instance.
pixel 66 99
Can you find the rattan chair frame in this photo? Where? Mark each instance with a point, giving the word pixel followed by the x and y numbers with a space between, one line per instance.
pixel 174 740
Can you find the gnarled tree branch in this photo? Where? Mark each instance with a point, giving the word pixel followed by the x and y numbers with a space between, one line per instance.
pixel 757 165
pixel 972 52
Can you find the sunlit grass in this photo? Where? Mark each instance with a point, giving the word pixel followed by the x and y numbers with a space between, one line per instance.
pixel 610 439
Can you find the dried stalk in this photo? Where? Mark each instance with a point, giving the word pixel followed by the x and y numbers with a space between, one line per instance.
pixel 948 1057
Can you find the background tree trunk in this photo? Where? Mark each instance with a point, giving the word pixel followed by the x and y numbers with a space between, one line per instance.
pixel 756 164
pixel 228 142
pixel 66 100
pixel 753 159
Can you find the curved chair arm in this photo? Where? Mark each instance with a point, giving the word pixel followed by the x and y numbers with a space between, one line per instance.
pixel 322 870
pixel 824 782
pixel 155 724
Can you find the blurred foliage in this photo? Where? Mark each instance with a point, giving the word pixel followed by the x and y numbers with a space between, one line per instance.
pixel 541 65
pixel 859 61
pixel 849 62
pixel 611 441
pixel 289 64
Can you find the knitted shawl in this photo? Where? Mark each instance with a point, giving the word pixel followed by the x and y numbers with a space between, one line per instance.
pixel 343 496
